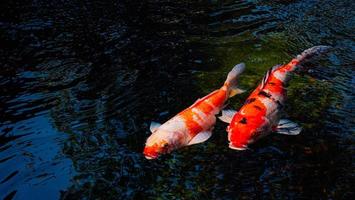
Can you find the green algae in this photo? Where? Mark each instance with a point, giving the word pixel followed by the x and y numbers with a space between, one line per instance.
pixel 308 99
pixel 259 54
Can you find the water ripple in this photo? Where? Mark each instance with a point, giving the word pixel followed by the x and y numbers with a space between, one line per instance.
pixel 81 81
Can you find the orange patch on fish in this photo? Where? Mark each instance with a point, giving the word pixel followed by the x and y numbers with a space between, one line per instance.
pixel 193 126
pixel 205 107
pixel 219 98
pixel 274 85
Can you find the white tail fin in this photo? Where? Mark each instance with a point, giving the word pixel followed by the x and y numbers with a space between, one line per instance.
pixel 235 90
pixel 294 63
pixel 231 81
pixel 233 75
pixel 313 51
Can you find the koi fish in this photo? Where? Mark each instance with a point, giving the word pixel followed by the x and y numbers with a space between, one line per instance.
pixel 194 124
pixel 260 114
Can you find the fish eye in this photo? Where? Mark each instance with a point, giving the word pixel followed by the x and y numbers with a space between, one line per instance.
pixel 243 121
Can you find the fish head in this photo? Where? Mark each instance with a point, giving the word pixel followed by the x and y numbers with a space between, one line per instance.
pixel 155 150
pixel 160 142
pixel 244 131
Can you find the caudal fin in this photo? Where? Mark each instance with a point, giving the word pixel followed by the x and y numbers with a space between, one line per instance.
pixel 284 70
pixel 313 51
pixel 232 79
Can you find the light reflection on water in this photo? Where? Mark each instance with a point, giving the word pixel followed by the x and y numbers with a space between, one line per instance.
pixel 34 162
pixel 81 82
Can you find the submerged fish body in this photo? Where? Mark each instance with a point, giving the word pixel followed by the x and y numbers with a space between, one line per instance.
pixel 260 114
pixel 194 124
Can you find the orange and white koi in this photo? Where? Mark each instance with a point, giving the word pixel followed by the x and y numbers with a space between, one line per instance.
pixel 260 113
pixel 194 124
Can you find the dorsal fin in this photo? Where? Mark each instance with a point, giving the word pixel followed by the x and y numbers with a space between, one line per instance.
pixel 267 75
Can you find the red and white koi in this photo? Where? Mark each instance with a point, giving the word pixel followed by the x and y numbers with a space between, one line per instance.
pixel 194 124
pixel 260 113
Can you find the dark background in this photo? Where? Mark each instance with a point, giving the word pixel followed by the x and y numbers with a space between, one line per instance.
pixel 80 82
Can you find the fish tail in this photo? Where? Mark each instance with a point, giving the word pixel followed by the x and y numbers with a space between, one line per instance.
pixel 232 79
pixel 282 71
pixel 311 52
pixel 304 56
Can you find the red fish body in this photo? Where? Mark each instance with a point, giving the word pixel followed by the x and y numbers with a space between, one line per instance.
pixel 194 124
pixel 260 114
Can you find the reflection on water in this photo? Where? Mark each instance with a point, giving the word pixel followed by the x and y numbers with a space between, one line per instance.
pixel 32 160
pixel 81 81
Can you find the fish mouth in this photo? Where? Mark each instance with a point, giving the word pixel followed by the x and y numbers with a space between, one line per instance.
pixel 150 153
pixel 150 158
pixel 239 148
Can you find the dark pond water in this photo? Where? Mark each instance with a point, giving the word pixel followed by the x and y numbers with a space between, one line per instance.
pixel 80 82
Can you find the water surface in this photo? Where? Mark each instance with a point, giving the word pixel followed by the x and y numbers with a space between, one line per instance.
pixel 81 80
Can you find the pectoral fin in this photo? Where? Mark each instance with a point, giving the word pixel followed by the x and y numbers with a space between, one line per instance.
pixel 227 115
pixel 288 127
pixel 154 126
pixel 200 137
pixel 234 91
